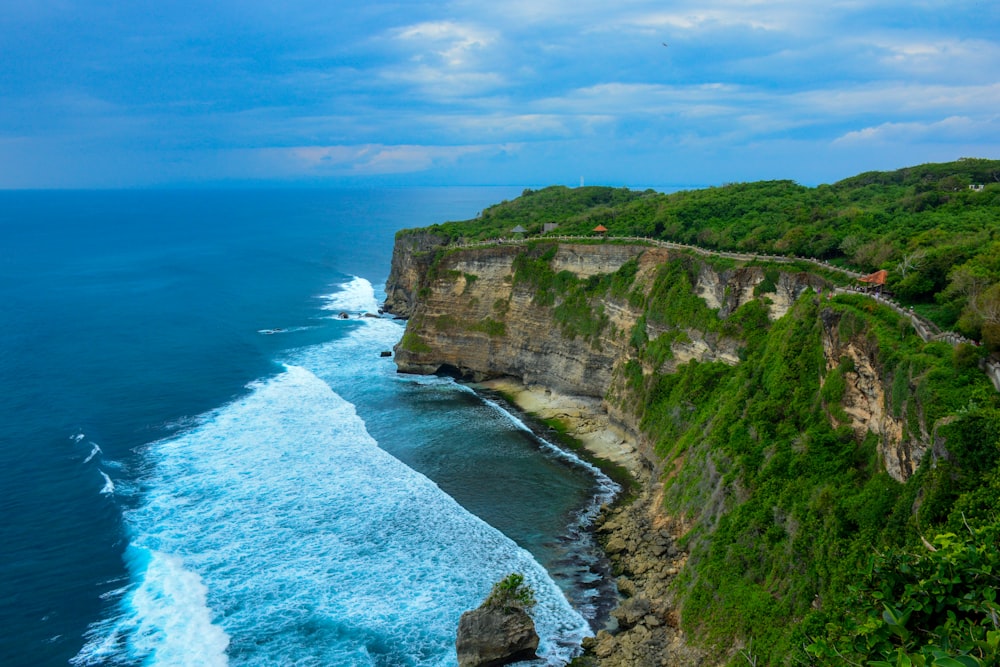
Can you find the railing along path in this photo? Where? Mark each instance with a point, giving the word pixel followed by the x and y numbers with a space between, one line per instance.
pixel 927 330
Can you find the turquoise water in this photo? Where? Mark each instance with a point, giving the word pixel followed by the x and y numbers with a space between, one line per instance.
pixel 202 464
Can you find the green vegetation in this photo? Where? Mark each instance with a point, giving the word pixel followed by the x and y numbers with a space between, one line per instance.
pixel 787 504
pixel 672 301
pixel 938 238
pixel 935 607
pixel 511 593
pixel 578 303
pixel 411 342
pixel 489 326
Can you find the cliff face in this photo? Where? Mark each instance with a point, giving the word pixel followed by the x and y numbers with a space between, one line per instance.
pixel 620 323
pixel 472 320
pixel 866 401
pixel 470 317
pixel 411 260
pixel 522 340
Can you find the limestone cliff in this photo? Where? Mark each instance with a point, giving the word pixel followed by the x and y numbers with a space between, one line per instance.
pixel 470 317
pixel 412 256
pixel 608 321
pixel 865 400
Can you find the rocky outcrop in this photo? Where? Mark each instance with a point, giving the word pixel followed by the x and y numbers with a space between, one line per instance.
pixel 728 290
pixel 992 370
pixel 412 257
pixel 470 318
pixel 473 321
pixel 473 287
pixel 494 635
pixel 866 400
pixel 641 544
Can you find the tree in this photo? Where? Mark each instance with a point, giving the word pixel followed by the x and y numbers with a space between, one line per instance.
pixel 931 608
pixel 910 261
pixel 511 593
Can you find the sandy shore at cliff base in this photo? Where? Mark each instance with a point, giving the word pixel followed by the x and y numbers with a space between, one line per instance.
pixel 636 538
pixel 584 418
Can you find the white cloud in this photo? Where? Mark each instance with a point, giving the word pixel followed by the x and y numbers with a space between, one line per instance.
pixel 440 83
pixel 697 20
pixel 623 100
pixel 947 59
pixel 455 44
pixel 370 159
pixel 404 87
pixel 445 59
pixel 508 124
pixel 900 98
pixel 951 129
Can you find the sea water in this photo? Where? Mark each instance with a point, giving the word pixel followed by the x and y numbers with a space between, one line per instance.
pixel 203 463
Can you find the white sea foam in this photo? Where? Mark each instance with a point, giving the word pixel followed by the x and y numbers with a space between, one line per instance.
pixel 95 450
pixel 271 332
pixel 77 437
pixel 357 355
pixel 355 297
pixel 278 525
pixel 607 487
pixel 167 621
pixel 173 622
pixel 109 487
pixel 275 525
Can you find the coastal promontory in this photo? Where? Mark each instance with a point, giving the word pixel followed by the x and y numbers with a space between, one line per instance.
pixel 798 378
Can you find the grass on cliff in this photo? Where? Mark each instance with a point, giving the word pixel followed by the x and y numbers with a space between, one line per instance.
pixel 798 536
pixel 578 303
pixel 786 503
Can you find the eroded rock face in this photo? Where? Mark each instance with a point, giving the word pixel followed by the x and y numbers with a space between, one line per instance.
pixel 411 258
pixel 865 401
pixel 448 318
pixel 491 636
pixel 469 318
pixel 474 289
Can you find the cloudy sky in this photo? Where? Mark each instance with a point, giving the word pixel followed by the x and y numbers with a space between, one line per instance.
pixel 109 93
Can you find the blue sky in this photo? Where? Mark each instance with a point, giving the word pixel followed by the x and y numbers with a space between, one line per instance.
pixel 523 92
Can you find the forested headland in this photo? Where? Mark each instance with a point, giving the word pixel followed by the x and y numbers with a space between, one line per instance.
pixel 804 548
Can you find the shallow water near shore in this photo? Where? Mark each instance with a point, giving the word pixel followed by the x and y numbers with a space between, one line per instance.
pixel 203 463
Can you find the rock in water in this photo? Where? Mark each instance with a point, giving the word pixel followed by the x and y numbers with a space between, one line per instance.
pixel 494 635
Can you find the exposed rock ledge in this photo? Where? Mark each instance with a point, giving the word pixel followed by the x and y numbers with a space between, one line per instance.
pixel 492 636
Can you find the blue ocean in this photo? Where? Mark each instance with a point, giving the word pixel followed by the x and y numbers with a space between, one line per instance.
pixel 203 463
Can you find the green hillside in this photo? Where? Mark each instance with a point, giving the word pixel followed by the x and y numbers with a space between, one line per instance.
pixel 937 237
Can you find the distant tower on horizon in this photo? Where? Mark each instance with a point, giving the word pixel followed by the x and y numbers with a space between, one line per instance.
pixel 581 181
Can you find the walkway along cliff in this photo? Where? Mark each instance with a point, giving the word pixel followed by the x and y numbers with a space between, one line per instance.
pixel 782 423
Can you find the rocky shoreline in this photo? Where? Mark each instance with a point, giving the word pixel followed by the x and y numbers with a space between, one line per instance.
pixel 639 540
pixel 641 543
